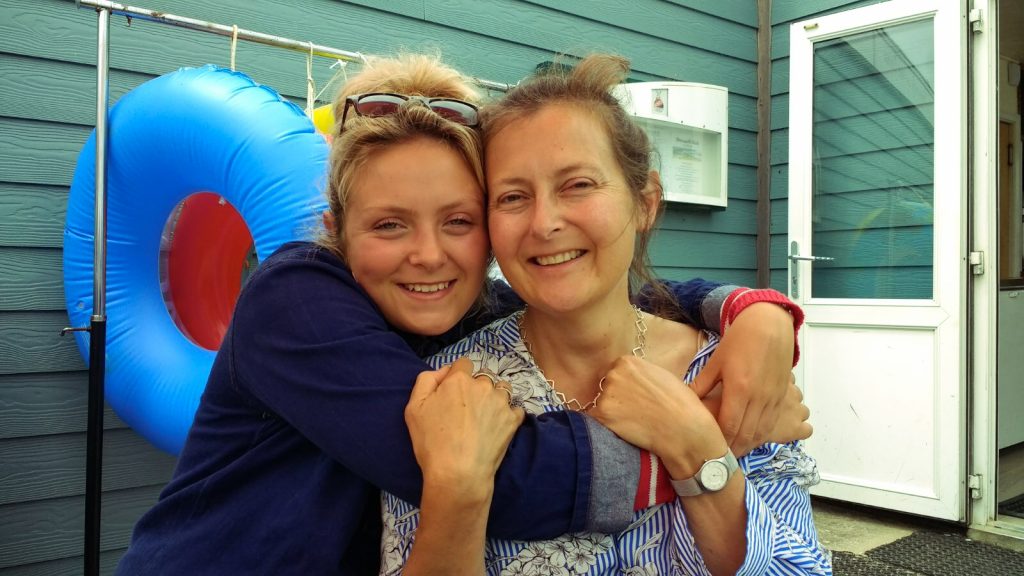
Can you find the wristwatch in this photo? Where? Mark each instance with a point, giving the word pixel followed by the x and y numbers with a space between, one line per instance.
pixel 712 476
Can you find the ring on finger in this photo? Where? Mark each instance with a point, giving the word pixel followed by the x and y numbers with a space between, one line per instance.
pixel 486 374
pixel 513 400
pixel 506 390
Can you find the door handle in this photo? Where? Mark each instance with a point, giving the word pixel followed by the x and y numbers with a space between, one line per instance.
pixel 794 271
pixel 796 257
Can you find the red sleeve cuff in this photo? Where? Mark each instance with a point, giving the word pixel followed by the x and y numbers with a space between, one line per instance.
pixel 740 298
pixel 655 484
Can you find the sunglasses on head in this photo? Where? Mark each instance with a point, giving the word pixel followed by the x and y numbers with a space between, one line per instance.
pixel 377 104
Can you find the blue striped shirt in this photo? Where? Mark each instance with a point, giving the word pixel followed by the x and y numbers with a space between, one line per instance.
pixel 781 538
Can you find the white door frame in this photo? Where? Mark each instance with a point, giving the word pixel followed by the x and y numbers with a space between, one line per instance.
pixel 944 496
pixel 984 454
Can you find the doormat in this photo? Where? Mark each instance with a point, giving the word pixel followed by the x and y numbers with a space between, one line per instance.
pixel 1013 507
pixel 938 554
pixel 850 564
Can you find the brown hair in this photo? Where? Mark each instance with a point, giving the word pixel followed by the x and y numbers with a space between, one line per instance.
pixel 588 86
pixel 411 74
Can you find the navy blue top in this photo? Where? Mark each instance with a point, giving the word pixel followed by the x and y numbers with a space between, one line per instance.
pixel 301 424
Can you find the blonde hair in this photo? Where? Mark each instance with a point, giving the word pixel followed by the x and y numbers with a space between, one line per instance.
pixel 588 86
pixel 410 74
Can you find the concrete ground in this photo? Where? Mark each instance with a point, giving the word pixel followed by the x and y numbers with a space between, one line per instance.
pixel 847 528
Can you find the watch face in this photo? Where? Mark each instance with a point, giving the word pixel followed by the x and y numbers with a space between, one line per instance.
pixel 714 475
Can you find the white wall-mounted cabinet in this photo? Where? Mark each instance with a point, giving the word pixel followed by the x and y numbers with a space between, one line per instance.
pixel 688 125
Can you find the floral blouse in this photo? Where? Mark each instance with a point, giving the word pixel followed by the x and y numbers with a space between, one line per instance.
pixel 781 538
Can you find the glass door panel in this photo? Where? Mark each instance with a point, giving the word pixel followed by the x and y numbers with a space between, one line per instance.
pixel 873 164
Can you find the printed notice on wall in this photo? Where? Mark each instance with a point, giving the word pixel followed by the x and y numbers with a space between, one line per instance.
pixel 689 160
pixel 686 167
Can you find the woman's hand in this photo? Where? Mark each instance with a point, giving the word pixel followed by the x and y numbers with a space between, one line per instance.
pixel 460 426
pixel 652 409
pixel 753 361
pixel 791 424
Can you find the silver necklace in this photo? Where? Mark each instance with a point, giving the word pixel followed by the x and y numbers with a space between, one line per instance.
pixel 639 351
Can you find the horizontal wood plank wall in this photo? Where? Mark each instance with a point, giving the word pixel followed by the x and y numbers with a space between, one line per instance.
pixel 785 13
pixel 47 103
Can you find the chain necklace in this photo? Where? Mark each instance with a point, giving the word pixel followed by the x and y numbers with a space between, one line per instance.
pixel 639 351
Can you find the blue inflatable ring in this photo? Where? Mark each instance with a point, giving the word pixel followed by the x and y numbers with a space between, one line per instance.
pixel 195 130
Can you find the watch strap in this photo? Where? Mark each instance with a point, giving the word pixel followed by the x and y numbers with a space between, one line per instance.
pixel 692 486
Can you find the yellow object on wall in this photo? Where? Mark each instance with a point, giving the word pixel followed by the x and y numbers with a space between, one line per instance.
pixel 323 119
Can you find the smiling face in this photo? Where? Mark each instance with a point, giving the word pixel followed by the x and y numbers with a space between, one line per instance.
pixel 414 234
pixel 563 221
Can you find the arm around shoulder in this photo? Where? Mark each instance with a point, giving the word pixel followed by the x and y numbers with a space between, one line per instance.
pixel 312 348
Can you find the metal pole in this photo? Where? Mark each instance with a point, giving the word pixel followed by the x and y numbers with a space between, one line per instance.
pixel 98 324
pixel 249 35
pixel 204 26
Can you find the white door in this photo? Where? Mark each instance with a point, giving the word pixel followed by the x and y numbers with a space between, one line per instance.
pixel 876 242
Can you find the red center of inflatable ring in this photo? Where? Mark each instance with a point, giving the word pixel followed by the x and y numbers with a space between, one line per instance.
pixel 207 260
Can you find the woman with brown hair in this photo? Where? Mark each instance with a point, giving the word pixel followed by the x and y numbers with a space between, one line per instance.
pixel 572 201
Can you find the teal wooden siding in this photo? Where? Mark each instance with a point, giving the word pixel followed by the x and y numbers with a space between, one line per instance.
pixel 47 103
pixel 784 13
